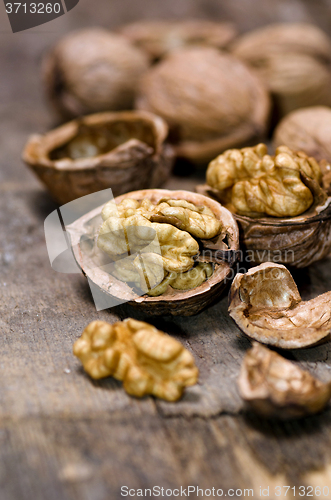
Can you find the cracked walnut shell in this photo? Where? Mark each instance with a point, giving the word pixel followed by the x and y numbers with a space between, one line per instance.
pixel 92 70
pixel 275 387
pixel 282 210
pixel 184 274
pixel 147 360
pixel 121 151
pixel 294 61
pixel 161 37
pixel 210 100
pixel 266 305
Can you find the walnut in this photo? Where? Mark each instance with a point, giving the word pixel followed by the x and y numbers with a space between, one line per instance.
pixel 178 273
pixel 266 305
pixel 275 387
pixel 92 70
pixel 309 130
pixel 123 151
pixel 294 61
pixel 210 100
pixel 282 210
pixel 147 360
pixel 255 184
pixel 161 37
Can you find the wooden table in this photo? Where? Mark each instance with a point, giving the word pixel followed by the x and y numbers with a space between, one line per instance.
pixel 65 437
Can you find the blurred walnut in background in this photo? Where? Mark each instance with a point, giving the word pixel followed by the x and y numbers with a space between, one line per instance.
pixel 210 100
pixel 92 70
pixel 160 37
pixel 294 60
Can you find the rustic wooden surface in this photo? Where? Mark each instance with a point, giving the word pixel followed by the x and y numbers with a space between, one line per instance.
pixel 64 437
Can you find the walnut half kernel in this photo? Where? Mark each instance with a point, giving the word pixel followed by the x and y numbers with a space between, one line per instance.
pixel 275 387
pixel 266 305
pixel 169 258
pixel 147 360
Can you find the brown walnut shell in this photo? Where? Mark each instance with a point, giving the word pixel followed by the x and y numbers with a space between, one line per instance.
pixel 295 241
pixel 294 61
pixel 274 387
pixel 173 302
pixel 121 151
pixel 92 70
pixel 161 37
pixel 211 101
pixel 309 130
pixel 266 305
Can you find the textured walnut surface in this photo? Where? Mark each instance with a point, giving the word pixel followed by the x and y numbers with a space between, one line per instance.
pixel 146 360
pixel 92 70
pixel 293 60
pixel 266 305
pixel 175 253
pixel 275 387
pixel 210 100
pixel 160 37
pixel 253 183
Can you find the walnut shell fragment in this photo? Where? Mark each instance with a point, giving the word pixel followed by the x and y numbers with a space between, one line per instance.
pixel 275 387
pixel 210 100
pixel 220 250
pixel 266 305
pixel 294 61
pixel 161 37
pixel 92 70
pixel 283 212
pixel 122 151
pixel 308 130
pixel 148 361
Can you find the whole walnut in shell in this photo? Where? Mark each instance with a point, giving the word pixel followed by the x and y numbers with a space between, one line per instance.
pixel 122 151
pixel 279 203
pixel 210 100
pixel 147 360
pixel 92 70
pixel 294 61
pixel 161 37
pixel 309 130
pixel 161 251
pixel 275 387
pixel 266 305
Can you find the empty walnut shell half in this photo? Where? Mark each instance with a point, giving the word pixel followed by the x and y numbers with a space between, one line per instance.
pixel 266 305
pixel 221 251
pixel 294 61
pixel 121 151
pixel 275 387
pixel 160 37
pixel 308 130
pixel 92 70
pixel 250 181
pixel 211 101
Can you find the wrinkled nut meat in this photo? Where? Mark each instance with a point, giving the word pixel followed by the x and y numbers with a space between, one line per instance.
pixel 279 202
pixel 210 100
pixel 294 61
pixel 147 360
pixel 168 259
pixel 160 37
pixel 266 305
pixel 250 182
pixel 309 130
pixel 164 252
pixel 122 151
pixel 275 387
pixel 92 70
